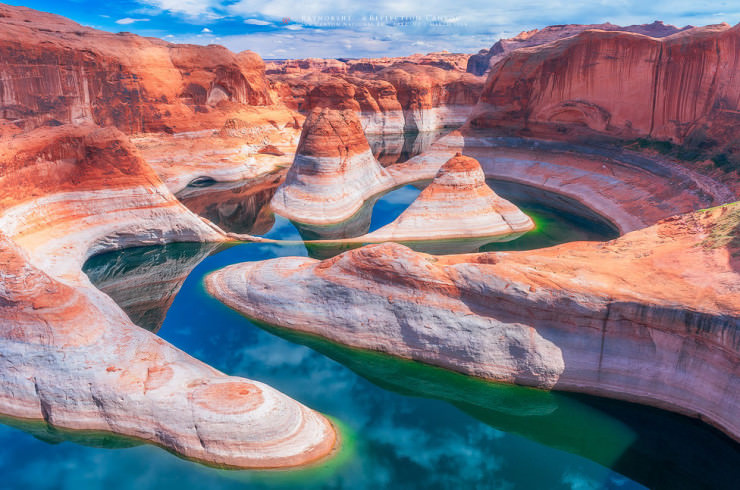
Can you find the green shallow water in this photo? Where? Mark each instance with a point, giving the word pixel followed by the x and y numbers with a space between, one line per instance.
pixel 403 424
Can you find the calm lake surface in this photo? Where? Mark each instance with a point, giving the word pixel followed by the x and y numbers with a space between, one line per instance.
pixel 404 425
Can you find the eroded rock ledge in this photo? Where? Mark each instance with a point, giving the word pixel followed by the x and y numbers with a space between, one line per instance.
pixel 70 356
pixel 333 173
pixel 652 317
pixel 457 204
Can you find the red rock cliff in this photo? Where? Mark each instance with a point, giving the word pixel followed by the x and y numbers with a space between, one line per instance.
pixel 684 88
pixel 57 71
pixel 480 63
pixel 408 95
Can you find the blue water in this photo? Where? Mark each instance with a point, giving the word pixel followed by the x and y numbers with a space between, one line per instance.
pixel 404 425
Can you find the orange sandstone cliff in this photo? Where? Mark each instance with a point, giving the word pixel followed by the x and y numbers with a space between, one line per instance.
pixel 481 63
pixel 71 356
pixel 684 89
pixel 56 71
pixel 651 317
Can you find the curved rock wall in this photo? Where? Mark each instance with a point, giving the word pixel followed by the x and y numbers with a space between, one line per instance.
pixel 481 63
pixel 55 71
pixel 71 356
pixel 683 88
pixel 652 317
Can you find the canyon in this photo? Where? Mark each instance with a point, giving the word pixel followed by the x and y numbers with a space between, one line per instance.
pixel 566 317
pixel 72 358
pixel 670 93
pixel 115 141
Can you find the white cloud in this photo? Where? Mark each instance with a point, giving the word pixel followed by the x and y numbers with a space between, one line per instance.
pixel 256 22
pixel 441 24
pixel 203 9
pixel 205 29
pixel 129 20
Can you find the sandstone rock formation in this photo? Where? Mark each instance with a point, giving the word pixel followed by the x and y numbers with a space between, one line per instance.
pixel 253 143
pixel 682 88
pixel 481 63
pixel 614 319
pixel 57 71
pixel 442 59
pixel 333 173
pixel 182 102
pixel 72 358
pixel 402 96
pixel 457 204
pixel 630 189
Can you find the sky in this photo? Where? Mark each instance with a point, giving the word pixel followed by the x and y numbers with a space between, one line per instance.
pixel 353 29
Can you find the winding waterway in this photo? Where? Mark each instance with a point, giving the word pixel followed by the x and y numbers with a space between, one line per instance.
pixel 403 424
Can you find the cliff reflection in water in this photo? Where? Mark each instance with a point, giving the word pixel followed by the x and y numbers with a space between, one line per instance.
pixel 400 147
pixel 237 207
pixel 144 281
pixel 655 448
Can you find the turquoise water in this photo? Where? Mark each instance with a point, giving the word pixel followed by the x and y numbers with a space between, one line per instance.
pixel 404 425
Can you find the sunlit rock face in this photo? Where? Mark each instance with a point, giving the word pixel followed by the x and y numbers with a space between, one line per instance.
pixel 333 173
pixel 651 317
pixel 79 190
pixel 457 204
pixel 56 71
pixel 682 88
pixel 481 63
pixel 392 97
pixel 193 111
pixel 72 357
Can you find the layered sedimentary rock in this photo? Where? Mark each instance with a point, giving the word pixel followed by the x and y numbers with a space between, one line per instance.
pixel 651 317
pixel 403 96
pixel 333 173
pixel 442 59
pixel 57 71
pixel 682 88
pixel 195 110
pixel 457 204
pixel 481 63
pixel 252 143
pixel 431 97
pixel 630 189
pixel 71 356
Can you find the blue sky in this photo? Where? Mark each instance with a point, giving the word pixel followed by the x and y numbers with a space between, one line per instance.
pixel 290 29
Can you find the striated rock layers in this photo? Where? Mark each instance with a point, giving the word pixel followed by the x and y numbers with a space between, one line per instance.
pixel 194 111
pixel 457 204
pixel 402 96
pixel 56 71
pixel 333 173
pixel 71 356
pixel 682 88
pixel 481 63
pixel 651 317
